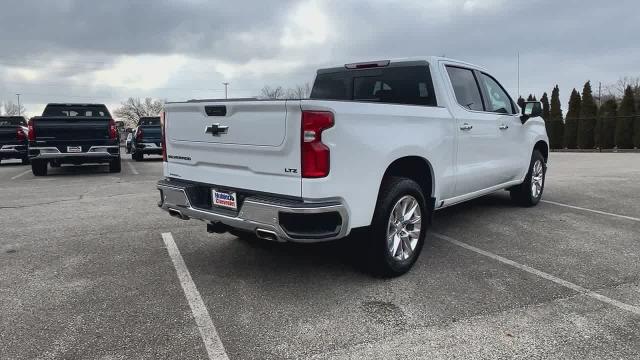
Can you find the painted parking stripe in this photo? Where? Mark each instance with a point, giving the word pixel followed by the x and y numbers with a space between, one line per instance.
pixel 133 169
pixel 591 210
pixel 208 331
pixel 542 274
pixel 21 174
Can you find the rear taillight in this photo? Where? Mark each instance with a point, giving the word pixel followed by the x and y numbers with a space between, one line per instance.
pixel 20 136
pixel 32 130
pixel 139 134
pixel 113 131
pixel 163 123
pixel 315 154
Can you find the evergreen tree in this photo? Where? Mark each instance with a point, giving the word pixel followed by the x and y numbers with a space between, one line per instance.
pixel 636 127
pixel 571 121
pixel 587 119
pixel 606 125
pixel 545 112
pixel 624 125
pixel 530 97
pixel 521 102
pixel 555 118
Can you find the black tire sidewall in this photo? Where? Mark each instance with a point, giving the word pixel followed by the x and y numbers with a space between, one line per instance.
pixel 115 166
pixel 522 193
pixel 39 167
pixel 535 157
pixel 391 192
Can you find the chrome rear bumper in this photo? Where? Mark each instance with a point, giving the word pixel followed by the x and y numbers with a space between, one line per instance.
pixel 95 152
pixel 254 215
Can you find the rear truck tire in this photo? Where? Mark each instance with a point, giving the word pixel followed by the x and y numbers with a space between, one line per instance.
pixel 115 166
pixel 137 156
pixel 530 191
pixel 25 160
pixel 399 227
pixel 39 167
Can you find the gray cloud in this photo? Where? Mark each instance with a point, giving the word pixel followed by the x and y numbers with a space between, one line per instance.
pixel 564 42
pixel 118 27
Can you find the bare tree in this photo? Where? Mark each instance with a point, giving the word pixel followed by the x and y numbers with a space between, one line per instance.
pixel 617 89
pixel 268 92
pixel 11 109
pixel 298 92
pixel 133 109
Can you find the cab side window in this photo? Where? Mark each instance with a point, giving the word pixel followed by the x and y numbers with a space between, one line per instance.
pixel 498 100
pixel 465 86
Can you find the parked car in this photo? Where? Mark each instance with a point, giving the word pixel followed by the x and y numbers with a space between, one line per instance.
pixel 146 138
pixel 13 138
pixel 378 146
pixel 128 142
pixel 73 134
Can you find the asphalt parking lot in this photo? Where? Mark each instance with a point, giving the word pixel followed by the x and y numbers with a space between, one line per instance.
pixel 85 273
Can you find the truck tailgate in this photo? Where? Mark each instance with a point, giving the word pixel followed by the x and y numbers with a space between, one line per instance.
pixel 246 145
pixel 71 128
pixel 8 135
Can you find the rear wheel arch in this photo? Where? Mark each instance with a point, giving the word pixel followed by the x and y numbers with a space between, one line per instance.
pixel 415 168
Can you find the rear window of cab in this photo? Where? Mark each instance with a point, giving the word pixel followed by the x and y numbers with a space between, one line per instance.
pixel 409 85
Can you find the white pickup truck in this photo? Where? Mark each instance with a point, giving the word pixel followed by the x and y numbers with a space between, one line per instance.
pixel 378 146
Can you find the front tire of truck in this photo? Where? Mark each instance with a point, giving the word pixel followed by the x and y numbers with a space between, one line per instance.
pixel 529 192
pixel 399 227
pixel 115 166
pixel 137 156
pixel 39 167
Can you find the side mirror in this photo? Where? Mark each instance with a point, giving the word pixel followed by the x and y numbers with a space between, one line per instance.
pixel 531 109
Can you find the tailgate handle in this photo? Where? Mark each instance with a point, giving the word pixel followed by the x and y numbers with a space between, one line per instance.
pixel 218 110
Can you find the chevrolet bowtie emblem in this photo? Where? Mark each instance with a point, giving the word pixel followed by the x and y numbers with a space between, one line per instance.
pixel 216 129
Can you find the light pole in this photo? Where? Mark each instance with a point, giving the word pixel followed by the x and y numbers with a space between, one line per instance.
pixel 226 84
pixel 18 95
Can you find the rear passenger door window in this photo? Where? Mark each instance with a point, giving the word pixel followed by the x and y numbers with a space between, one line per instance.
pixel 465 87
pixel 498 100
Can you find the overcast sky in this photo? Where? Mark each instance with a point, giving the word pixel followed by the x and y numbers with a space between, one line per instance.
pixel 106 51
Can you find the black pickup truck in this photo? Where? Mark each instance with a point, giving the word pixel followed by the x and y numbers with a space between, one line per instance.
pixel 13 138
pixel 73 134
pixel 147 138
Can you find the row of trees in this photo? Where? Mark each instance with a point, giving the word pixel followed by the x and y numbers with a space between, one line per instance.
pixel 615 124
pixel 131 110
pixel 298 92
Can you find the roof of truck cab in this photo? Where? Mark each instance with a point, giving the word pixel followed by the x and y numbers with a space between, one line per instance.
pixel 413 59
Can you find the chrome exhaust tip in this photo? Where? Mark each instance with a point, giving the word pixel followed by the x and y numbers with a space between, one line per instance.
pixel 266 235
pixel 177 214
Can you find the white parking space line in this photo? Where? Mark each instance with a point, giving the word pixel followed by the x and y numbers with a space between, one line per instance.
pixel 133 169
pixel 542 274
pixel 208 332
pixel 21 174
pixel 591 210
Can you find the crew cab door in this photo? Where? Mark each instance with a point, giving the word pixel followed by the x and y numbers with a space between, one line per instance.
pixel 478 146
pixel 514 156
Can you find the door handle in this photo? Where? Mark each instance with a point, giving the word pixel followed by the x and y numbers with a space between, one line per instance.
pixel 466 127
pixel 503 127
